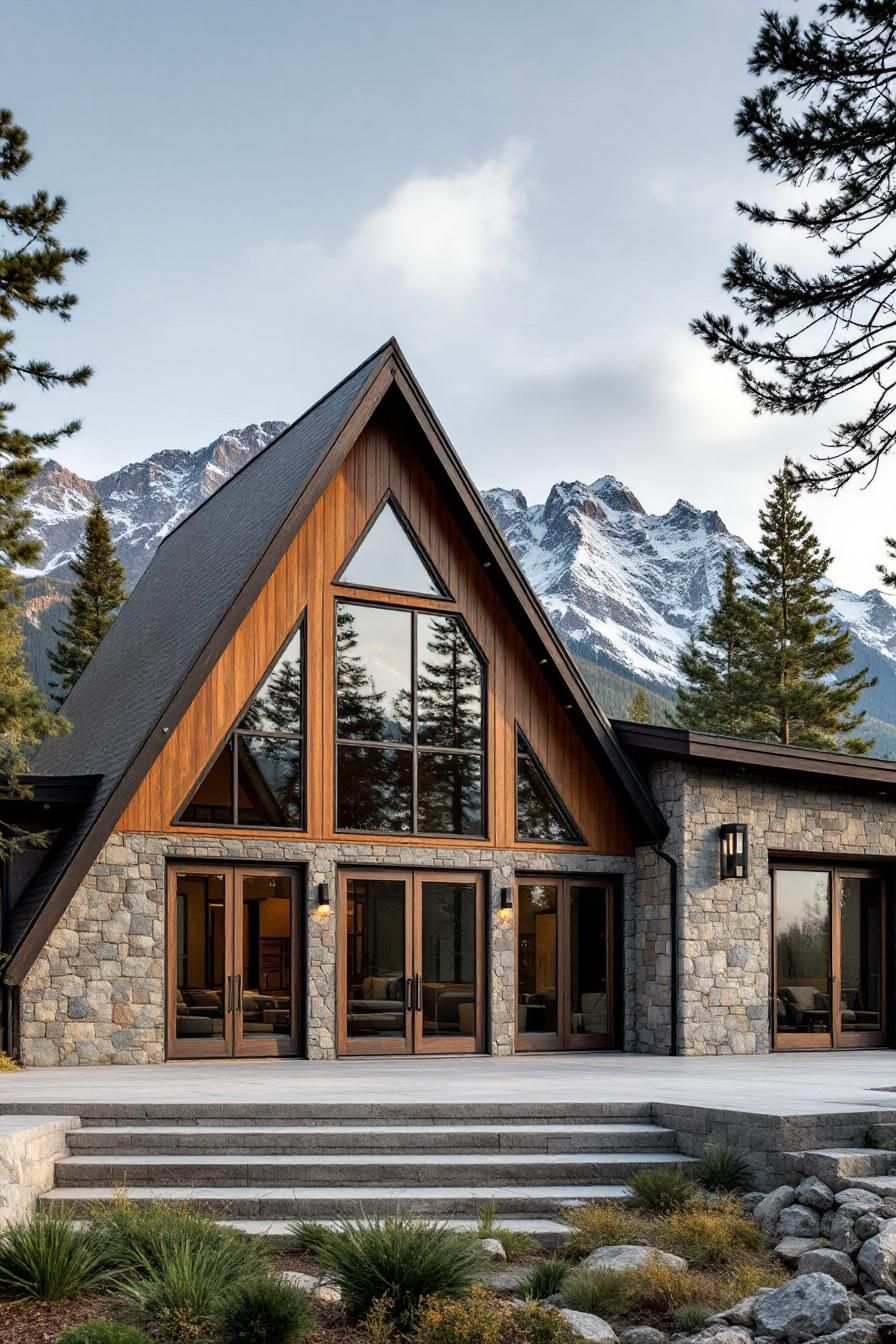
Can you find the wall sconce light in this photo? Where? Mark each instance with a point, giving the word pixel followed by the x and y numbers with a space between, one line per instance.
pixel 733 850
pixel 323 898
pixel 505 909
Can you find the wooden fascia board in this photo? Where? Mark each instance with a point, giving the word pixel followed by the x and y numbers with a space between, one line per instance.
pixel 331 459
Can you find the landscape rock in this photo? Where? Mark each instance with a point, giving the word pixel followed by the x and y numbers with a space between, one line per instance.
pixel 806 1308
pixel 749 1202
pixel 729 1334
pixel 493 1248
pixel 827 1261
pixel 877 1258
pixel 855 1332
pixel 586 1326
pixel 842 1235
pixel 886 1325
pixel 631 1257
pixel 514 1276
pixel 315 1286
pixel 860 1201
pixel 327 1292
pixel 860 1306
pixel 885 1303
pixel 827 1219
pixel 741 1313
pixel 642 1334
pixel 815 1194
pixel 868 1225
pixel 791 1248
pixel 797 1221
pixel 769 1209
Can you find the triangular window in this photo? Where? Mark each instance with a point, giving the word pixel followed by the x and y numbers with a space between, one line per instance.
pixel 541 815
pixel 258 776
pixel 389 557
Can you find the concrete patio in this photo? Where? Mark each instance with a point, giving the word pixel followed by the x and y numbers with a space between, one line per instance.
pixel 775 1085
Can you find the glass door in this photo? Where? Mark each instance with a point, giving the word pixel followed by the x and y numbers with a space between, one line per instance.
pixel 565 962
pixel 233 962
pixel 411 949
pixel 829 966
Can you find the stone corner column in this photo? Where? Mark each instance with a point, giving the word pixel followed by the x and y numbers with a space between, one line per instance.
pixel 320 959
pixel 501 963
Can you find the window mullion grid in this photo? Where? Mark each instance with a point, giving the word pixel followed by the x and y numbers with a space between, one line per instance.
pixel 414 829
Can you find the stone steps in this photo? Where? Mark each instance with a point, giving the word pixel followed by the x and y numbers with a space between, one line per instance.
pixel 306 1139
pixel 839 1167
pixel 546 1231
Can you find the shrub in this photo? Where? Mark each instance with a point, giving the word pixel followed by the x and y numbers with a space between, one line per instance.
pixel 659 1290
pixel 401 1259
pixel 311 1237
pixel 135 1235
pixel 180 1296
pixel 660 1189
pixel 690 1318
pixel 482 1319
pixel 7 1063
pixel 602 1292
pixel 723 1168
pixel 103 1332
pixel 265 1311
pixel 597 1225
pixel 544 1280
pixel 709 1236
pixel 48 1258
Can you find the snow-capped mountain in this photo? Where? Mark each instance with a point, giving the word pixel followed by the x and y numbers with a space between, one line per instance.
pixel 633 585
pixel 624 587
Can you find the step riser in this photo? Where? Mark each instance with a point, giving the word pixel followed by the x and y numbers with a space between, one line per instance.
pixel 183 1173
pixel 110 1143
pixel 842 1169
pixel 376 1113
pixel 464 1205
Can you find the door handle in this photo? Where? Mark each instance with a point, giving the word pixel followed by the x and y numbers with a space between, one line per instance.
pixel 230 993
pixel 409 995
pixel 418 992
pixel 239 993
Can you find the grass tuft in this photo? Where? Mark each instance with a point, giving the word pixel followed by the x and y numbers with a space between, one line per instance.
pixel 601 1292
pixel 544 1280
pixel 723 1169
pixel 710 1236
pixel 103 1332
pixel 265 1311
pixel 690 1318
pixel 483 1319
pixel 597 1225
pixel 48 1259
pixel 661 1190
pixel 312 1237
pixel 8 1064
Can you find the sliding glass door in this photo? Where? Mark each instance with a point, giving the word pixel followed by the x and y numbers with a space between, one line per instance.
pixel 828 971
pixel 411 952
pixel 564 964
pixel 233 967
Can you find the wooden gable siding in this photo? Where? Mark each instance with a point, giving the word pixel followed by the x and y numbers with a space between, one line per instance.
pixel 381 460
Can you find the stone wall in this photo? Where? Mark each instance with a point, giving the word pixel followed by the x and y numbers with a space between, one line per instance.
pixel 96 993
pixel 29 1147
pixel 724 927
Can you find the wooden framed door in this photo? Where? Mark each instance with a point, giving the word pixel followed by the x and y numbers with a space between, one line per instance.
pixel 565 963
pixel 233 962
pixel 828 962
pixel 411 953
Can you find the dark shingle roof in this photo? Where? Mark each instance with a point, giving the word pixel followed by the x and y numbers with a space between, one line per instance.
pixel 177 605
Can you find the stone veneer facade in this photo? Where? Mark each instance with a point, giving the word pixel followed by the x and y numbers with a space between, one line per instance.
pixel 724 927
pixel 96 993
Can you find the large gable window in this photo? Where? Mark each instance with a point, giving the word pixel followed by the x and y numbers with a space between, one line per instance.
pixel 541 815
pixel 409 723
pixel 258 777
pixel 389 557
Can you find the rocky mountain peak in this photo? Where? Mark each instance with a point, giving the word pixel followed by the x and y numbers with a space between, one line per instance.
pixel 615 495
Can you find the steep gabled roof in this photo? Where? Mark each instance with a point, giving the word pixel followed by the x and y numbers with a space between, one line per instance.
pixel 203 579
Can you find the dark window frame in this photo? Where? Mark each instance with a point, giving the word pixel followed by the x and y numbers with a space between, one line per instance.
pixel 480 753
pixel 578 839
pixel 442 593
pixel 231 741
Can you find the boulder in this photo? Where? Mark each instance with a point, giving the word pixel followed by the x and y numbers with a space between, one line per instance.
pixel 492 1248
pixel 855 1332
pixel 729 1334
pixel 769 1210
pixel 877 1258
pixel 642 1334
pixel 791 1248
pixel 886 1325
pixel 826 1261
pixel 506 1279
pixel 805 1308
pixel 749 1202
pixel 585 1326
pixel 860 1201
pixel 868 1225
pixel 842 1235
pixel 315 1286
pixel 631 1257
pixel 797 1221
pixel 883 1303
pixel 815 1194
pixel 741 1313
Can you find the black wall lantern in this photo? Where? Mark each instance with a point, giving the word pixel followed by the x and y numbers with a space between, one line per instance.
pixel 733 850
pixel 506 906
pixel 323 898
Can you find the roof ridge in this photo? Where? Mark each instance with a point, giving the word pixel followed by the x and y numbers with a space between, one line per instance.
pixel 381 350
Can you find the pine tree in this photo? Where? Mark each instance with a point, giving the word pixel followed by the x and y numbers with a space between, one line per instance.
pixel 826 114
pixel 32 262
pixel 797 648
pixel 714 692
pixel 639 709
pixel 449 714
pixel 93 603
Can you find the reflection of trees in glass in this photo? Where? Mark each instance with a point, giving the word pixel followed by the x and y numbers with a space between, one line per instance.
pixel 361 707
pixel 449 714
pixel 374 786
pixel 539 813
pixel 277 707
pixel 271 774
pixel 804 940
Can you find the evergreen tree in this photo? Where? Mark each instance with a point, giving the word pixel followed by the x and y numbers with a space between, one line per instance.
pixel 449 714
pixel 93 604
pixel 826 114
pixel 797 648
pixel 639 709
pixel 33 264
pixel 714 692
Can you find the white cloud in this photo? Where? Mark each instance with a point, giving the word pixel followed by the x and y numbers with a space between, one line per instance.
pixel 446 236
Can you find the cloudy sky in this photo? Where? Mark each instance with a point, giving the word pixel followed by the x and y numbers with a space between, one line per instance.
pixel 534 196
